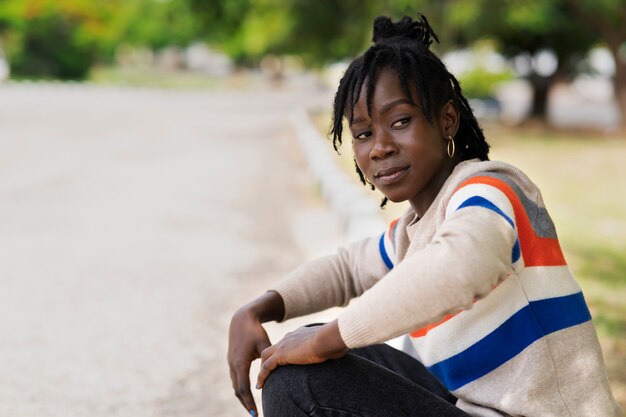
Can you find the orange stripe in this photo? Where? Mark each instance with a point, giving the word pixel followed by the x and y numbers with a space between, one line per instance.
pixel 391 227
pixel 537 251
pixel 424 330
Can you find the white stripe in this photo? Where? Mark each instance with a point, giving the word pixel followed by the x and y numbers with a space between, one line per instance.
pixel 486 315
pixel 492 194
pixel 519 265
pixel 488 192
pixel 470 326
pixel 541 282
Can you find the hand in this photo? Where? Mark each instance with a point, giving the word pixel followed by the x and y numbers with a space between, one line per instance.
pixel 246 340
pixel 306 345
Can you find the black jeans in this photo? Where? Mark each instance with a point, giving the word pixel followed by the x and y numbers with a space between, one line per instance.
pixel 376 381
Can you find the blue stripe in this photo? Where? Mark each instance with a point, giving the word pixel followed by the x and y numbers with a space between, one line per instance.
pixel 477 201
pixel 383 252
pixel 516 252
pixel 531 323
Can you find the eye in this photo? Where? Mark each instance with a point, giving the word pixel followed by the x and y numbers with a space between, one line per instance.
pixel 362 135
pixel 401 122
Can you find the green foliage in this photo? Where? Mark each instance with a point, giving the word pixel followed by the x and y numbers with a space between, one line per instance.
pixel 156 24
pixel 522 25
pixel 54 39
pixel 219 20
pixel 261 29
pixel 481 80
pixel 609 14
pixel 52 47
pixel 327 30
pixel 319 31
pixel 65 38
pixel 62 37
pixel 481 83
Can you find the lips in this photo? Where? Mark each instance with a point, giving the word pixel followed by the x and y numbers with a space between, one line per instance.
pixel 387 176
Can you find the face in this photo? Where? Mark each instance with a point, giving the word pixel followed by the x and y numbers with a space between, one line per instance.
pixel 397 149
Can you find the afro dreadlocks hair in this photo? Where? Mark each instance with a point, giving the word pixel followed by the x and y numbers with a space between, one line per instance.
pixel 403 47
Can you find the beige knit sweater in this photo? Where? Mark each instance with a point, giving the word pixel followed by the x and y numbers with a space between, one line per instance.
pixel 480 285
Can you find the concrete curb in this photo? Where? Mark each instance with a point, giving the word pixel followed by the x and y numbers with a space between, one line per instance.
pixel 359 213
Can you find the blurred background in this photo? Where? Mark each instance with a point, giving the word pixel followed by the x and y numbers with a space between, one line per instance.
pixel 164 161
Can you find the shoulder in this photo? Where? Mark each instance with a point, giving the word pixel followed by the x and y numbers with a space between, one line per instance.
pixel 498 187
pixel 490 178
pixel 496 169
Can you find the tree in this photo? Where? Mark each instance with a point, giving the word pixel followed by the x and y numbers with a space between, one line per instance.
pixel 524 27
pixel 58 39
pixel 320 31
pixel 155 24
pixel 566 27
pixel 65 38
pixel 608 20
pixel 244 29
pixel 326 31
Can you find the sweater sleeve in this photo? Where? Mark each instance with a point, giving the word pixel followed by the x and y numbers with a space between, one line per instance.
pixel 471 252
pixel 333 280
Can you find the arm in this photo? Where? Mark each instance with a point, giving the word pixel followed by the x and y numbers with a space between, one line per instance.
pixel 247 339
pixel 315 286
pixel 306 345
pixel 469 255
pixel 466 259
pixel 332 280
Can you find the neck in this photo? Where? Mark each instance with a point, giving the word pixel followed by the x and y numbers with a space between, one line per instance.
pixel 423 201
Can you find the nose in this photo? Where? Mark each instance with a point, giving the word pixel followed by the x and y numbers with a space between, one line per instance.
pixel 383 146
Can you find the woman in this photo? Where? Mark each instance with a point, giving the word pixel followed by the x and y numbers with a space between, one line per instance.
pixel 473 272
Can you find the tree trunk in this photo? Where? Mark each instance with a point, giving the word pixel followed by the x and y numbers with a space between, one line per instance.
pixel 541 88
pixel 614 36
pixel 619 85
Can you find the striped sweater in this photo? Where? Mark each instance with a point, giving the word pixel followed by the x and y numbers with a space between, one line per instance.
pixel 480 286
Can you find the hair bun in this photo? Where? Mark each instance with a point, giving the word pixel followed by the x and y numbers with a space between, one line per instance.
pixel 407 28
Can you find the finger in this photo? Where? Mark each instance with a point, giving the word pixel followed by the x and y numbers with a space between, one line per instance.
pixel 244 394
pixel 235 383
pixel 234 379
pixel 242 387
pixel 267 367
pixel 267 352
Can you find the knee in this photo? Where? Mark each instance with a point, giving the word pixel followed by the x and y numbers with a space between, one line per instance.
pixel 284 392
pixel 280 380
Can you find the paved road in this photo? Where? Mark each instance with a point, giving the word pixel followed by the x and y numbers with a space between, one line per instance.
pixel 132 223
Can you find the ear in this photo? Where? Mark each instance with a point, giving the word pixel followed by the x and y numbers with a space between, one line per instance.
pixel 449 119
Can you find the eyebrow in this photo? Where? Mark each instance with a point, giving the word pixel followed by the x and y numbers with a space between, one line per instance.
pixel 384 109
pixel 393 104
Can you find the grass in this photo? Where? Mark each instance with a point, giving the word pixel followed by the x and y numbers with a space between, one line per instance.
pixel 159 78
pixel 583 180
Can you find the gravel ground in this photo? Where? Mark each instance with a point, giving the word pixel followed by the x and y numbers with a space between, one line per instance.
pixel 132 224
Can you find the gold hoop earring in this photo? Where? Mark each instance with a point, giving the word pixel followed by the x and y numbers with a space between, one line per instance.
pixel 450 147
